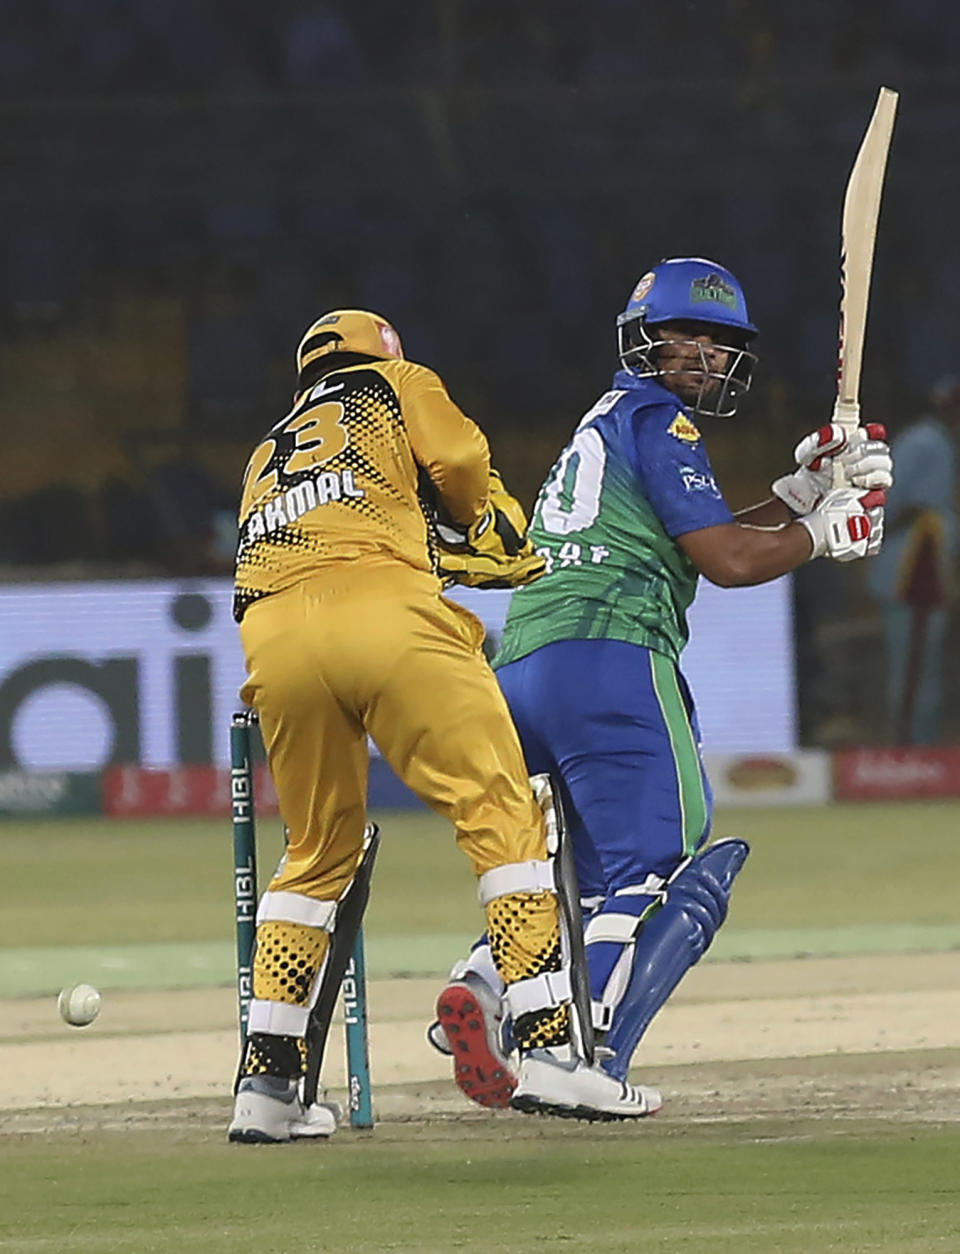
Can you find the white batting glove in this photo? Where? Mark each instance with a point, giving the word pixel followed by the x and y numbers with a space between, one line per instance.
pixel 867 461
pixel 863 453
pixel 875 542
pixel 847 524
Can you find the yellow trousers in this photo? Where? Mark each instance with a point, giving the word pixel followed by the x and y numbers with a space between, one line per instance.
pixel 373 648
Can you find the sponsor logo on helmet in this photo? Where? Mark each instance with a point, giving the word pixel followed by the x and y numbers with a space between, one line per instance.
pixel 713 288
pixel 643 287
pixel 683 429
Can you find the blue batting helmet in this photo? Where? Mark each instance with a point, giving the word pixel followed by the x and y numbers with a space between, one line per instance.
pixel 690 290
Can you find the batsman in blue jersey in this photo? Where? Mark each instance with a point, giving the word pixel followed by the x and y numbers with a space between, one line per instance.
pixel 628 519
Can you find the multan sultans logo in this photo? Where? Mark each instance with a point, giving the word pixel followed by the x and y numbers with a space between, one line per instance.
pixel 713 288
pixel 683 429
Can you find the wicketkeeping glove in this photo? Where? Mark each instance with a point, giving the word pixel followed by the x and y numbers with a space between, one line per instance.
pixel 847 524
pixel 493 552
pixel 863 453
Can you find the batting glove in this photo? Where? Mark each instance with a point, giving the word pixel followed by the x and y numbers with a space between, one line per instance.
pixel 863 453
pixel 847 524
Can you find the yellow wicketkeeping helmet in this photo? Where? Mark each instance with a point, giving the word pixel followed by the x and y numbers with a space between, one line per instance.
pixel 348 331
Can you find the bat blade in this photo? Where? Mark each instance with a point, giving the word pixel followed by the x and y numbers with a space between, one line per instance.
pixel 861 208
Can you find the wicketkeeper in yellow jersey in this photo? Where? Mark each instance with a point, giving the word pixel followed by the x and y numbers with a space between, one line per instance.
pixel 346 634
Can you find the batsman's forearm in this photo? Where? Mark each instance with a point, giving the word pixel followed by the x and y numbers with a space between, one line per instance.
pixel 767 554
pixel 738 555
pixel 770 513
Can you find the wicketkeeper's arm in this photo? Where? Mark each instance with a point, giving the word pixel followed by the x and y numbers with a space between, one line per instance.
pixel 449 446
pixel 494 552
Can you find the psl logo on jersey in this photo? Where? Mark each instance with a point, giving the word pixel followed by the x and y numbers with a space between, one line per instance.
pixel 683 429
pixel 697 481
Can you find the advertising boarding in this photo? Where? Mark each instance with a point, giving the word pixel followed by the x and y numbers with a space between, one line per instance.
pixel 147 672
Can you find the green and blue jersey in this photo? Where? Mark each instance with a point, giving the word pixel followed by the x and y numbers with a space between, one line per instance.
pixel 633 478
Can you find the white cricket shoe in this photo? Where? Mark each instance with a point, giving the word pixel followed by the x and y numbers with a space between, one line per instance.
pixel 268 1111
pixel 573 1090
pixel 320 1119
pixel 470 1017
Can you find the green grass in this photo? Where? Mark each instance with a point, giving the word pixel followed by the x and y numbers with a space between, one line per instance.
pixel 84 881
pixel 797 1186
pixel 148 903
pixel 833 866
pixel 486 1186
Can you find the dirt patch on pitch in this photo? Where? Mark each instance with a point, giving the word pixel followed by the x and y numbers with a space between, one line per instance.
pixel 856 1037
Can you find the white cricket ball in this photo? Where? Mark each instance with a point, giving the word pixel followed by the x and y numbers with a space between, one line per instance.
pixel 79 1005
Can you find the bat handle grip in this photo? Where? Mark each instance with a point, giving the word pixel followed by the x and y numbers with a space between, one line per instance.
pixel 845 414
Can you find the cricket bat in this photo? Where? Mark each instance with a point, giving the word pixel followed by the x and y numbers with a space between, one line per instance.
pixel 861 208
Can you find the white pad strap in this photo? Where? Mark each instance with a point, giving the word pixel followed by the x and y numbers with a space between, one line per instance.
pixel 542 992
pixel 279 1018
pixel 543 794
pixel 481 963
pixel 602 1012
pixel 295 908
pixel 516 877
pixel 622 929
pixel 614 989
pixel 651 886
pixel 619 928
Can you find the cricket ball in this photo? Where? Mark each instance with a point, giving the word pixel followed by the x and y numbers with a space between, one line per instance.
pixel 79 1005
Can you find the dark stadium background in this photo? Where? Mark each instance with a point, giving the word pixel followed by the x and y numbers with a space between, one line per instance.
pixel 186 185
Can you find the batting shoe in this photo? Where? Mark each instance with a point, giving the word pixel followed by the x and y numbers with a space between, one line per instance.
pixel 470 1018
pixel 268 1111
pixel 574 1090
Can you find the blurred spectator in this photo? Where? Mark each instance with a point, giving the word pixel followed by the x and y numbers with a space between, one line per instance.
pixel 913 575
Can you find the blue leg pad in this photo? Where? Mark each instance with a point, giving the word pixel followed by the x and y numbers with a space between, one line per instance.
pixel 671 942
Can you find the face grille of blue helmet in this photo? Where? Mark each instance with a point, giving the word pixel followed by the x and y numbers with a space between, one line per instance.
pixel 685 290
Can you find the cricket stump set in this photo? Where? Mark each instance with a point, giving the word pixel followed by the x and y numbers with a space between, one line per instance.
pixel 350 961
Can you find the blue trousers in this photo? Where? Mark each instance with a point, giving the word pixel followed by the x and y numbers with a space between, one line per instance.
pixel 614 725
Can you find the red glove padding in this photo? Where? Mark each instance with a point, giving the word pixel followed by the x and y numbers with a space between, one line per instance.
pixel 847 524
pixel 863 454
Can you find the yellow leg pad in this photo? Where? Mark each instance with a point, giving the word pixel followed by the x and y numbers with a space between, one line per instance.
pixel 287 959
pixel 524 932
pixel 274 1055
pixel 543 1028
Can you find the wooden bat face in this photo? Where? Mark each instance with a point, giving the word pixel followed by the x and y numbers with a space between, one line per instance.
pixel 861 208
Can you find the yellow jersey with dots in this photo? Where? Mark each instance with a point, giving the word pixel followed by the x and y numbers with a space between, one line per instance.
pixel 354 472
